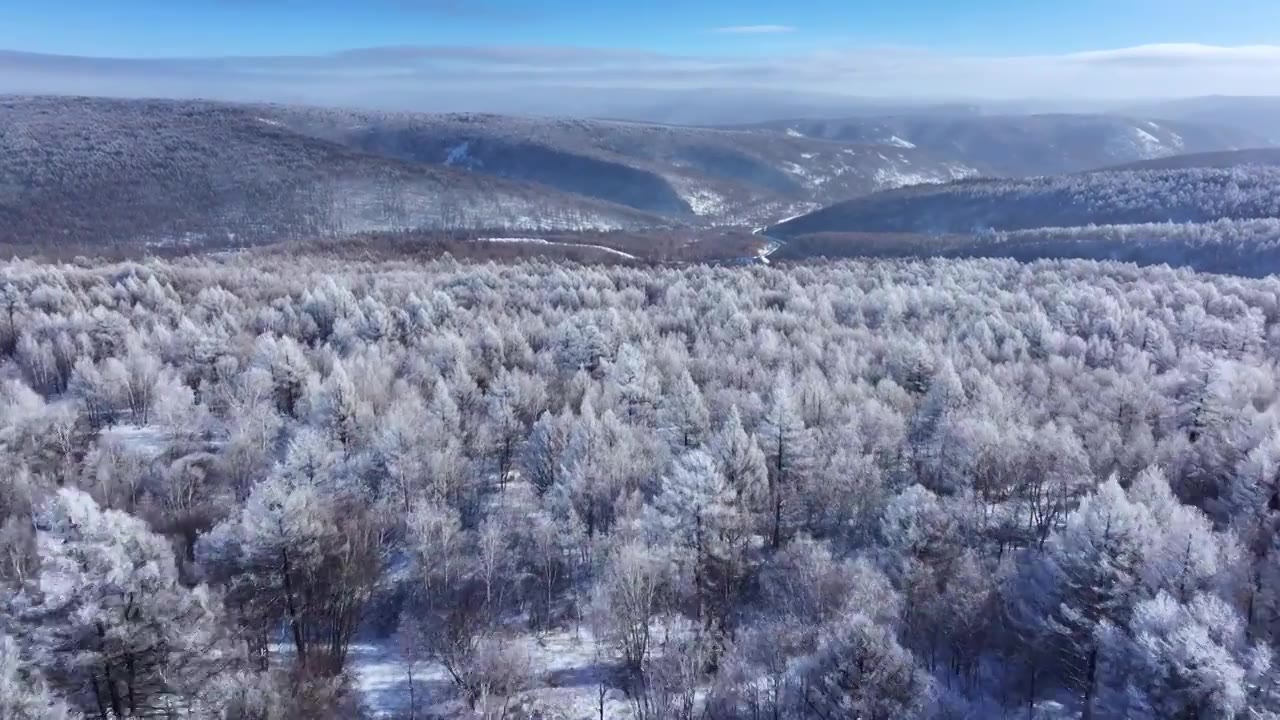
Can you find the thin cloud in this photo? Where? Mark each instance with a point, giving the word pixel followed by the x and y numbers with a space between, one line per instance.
pixel 1171 54
pixel 517 78
pixel 755 29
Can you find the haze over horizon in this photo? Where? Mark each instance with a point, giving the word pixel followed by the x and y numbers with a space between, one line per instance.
pixel 503 56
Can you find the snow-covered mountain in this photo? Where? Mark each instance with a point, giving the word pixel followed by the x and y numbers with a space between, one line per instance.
pixel 85 170
pixel 1023 145
pixel 1098 198
pixel 99 172
pixel 1214 212
pixel 696 175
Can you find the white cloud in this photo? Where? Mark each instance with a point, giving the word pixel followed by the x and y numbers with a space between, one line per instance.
pixel 1170 54
pixel 755 29
pixel 580 80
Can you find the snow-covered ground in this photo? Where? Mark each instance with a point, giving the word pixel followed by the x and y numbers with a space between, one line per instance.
pixel 892 177
pixel 795 169
pixel 1149 144
pixel 766 250
pixel 459 155
pixel 540 241
pixel 569 667
pixel 565 667
pixel 703 202
pixel 386 686
pixel 899 142
pixel 1140 143
pixel 144 441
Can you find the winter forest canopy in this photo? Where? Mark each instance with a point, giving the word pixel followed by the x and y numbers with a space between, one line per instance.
pixel 263 489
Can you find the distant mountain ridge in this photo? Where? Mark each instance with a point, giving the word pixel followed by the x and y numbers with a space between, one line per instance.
pixel 1103 198
pixel 1024 145
pixel 1223 159
pixel 1257 115
pixel 701 175
pixel 164 172
pixel 93 170
pixel 1215 212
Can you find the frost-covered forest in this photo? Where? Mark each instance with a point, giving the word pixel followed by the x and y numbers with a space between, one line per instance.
pixel 1115 197
pixel 1237 247
pixel 272 488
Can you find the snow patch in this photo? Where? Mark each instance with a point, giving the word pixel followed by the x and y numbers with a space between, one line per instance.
pixel 611 251
pixel 1147 142
pixel 808 156
pixel 459 155
pixel 147 441
pixel 765 251
pixel 792 132
pixel 899 142
pixel 532 241
pixel 549 243
pixel 382 678
pixel 568 667
pixel 704 202
pixel 891 178
pixel 272 123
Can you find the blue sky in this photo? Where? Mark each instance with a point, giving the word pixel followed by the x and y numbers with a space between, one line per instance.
pixel 549 55
pixel 152 28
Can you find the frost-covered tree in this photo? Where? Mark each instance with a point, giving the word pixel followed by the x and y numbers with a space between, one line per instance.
pixel 859 670
pixel 741 460
pixel 497 458
pixel 303 552
pixel 636 385
pixel 24 695
pixel 788 451
pixel 683 414
pixel 629 595
pixel 701 516
pixel 1183 659
pixel 542 460
pixel 1089 579
pixel 108 621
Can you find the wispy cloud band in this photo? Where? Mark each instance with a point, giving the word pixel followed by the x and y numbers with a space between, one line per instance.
pixel 514 78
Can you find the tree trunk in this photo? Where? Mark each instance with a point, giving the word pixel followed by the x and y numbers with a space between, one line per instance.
pixel 1090 686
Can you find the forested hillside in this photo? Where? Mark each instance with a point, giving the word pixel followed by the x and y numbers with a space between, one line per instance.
pixel 1224 159
pixel 1022 145
pixel 1103 198
pixel 98 172
pixel 280 487
pixel 1239 247
pixel 702 175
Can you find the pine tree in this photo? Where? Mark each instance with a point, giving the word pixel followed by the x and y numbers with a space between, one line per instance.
pixel 683 414
pixel 788 454
pixel 699 512
pixel 740 460
pixel 1096 563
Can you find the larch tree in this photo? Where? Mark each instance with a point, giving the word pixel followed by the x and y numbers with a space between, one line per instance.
pixel 788 450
